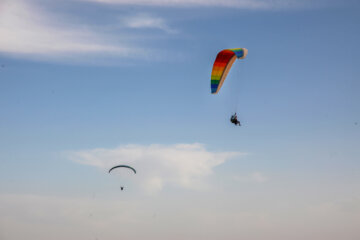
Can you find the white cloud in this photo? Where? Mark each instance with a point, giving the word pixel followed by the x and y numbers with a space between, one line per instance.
pixel 147 21
pixel 183 165
pixel 245 4
pixel 29 31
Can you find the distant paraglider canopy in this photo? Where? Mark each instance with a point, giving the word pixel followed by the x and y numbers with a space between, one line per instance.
pixel 122 166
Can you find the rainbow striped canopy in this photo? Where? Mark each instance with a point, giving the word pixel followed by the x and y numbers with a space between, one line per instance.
pixel 223 62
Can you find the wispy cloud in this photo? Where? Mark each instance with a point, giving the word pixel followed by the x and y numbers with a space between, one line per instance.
pixel 144 20
pixel 32 31
pixel 182 165
pixel 244 4
pixel 29 31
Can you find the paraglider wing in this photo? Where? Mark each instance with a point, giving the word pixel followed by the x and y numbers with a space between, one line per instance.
pixel 122 166
pixel 223 62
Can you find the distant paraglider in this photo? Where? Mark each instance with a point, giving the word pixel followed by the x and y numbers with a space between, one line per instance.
pixel 122 166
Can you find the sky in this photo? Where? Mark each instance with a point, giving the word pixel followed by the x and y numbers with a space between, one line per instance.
pixel 89 84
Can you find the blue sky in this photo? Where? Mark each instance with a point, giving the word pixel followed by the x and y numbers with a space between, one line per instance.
pixel 86 84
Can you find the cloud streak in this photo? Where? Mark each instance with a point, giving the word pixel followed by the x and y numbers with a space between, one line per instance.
pixel 243 4
pixel 180 165
pixel 29 31
pixel 143 21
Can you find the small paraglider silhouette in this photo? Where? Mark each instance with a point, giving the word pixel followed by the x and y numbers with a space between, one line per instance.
pixel 122 166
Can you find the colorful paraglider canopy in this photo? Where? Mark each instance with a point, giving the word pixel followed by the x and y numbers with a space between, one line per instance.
pixel 223 62
pixel 122 166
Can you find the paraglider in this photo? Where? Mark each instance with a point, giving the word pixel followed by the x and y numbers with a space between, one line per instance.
pixel 122 166
pixel 234 120
pixel 222 65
